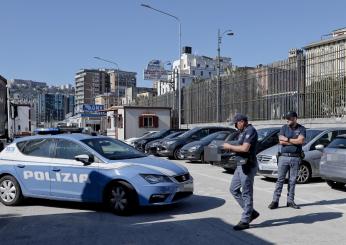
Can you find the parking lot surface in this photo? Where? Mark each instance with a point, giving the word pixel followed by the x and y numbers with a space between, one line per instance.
pixel 205 218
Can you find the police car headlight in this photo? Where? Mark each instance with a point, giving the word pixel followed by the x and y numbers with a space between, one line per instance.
pixel 155 178
pixel 194 148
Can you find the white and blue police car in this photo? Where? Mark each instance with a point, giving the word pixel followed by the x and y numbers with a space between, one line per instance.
pixel 85 168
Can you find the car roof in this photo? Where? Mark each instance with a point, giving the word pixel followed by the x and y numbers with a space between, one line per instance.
pixel 59 136
pixel 326 129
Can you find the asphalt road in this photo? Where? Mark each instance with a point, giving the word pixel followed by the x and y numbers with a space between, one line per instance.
pixel 205 218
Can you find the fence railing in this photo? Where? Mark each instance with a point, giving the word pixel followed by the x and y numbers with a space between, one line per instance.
pixel 314 86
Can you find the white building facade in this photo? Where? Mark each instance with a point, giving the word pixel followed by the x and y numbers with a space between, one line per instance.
pixel 125 122
pixel 193 67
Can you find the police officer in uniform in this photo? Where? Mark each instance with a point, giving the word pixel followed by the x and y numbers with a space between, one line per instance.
pixel 291 139
pixel 243 178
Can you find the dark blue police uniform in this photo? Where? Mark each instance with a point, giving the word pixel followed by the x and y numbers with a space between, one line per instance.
pixel 289 161
pixel 244 174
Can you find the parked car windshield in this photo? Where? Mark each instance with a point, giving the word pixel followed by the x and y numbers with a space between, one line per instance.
pixel 189 133
pixel 339 143
pixel 264 132
pixel 112 149
pixel 214 136
pixel 159 134
pixel 171 136
pixel 150 134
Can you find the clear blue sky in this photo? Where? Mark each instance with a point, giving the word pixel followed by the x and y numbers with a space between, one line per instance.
pixel 50 40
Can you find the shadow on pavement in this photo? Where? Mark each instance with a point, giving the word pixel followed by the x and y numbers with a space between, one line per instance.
pixel 101 228
pixel 301 219
pixel 273 180
pixel 193 204
pixel 325 202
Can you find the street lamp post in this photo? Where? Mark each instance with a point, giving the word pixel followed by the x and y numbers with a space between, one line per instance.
pixel 179 72
pixel 118 71
pixel 219 40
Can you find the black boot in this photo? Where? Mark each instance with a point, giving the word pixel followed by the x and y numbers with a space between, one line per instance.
pixel 273 205
pixel 241 226
pixel 254 215
pixel 293 205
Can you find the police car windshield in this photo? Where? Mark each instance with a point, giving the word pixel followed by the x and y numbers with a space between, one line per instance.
pixel 112 149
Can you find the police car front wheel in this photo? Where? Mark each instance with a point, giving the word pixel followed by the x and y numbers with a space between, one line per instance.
pixel 10 192
pixel 121 198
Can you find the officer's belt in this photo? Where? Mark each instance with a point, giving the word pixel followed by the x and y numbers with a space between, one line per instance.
pixel 291 154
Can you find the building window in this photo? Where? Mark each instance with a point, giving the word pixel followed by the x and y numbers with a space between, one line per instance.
pixel 209 74
pixel 198 65
pixel 148 121
pixel 183 80
pixel 201 73
pixel 194 72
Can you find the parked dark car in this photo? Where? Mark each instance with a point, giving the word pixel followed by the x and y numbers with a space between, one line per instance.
pixel 171 148
pixel 151 147
pixel 195 150
pixel 267 137
pixel 140 143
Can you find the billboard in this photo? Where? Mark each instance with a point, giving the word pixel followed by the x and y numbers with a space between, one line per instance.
pixel 156 71
pixel 91 110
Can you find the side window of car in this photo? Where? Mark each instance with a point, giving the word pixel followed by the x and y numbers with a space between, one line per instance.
pixel 273 139
pixel 203 133
pixel 221 136
pixel 200 134
pixel 66 149
pixel 38 148
pixel 325 139
pixel 341 132
pixel 214 130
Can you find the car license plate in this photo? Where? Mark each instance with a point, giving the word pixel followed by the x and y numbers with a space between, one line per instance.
pixel 188 186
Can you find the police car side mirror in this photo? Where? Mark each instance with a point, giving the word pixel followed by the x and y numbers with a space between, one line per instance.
pixel 86 159
pixel 319 147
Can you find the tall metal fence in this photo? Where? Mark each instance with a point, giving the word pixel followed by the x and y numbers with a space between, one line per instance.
pixel 266 92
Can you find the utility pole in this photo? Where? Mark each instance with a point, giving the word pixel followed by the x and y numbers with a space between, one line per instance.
pixel 218 84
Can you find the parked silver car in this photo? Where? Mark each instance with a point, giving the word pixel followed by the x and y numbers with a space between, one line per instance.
pixel 333 163
pixel 310 166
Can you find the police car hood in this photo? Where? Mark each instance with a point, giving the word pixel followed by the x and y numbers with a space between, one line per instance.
pixel 154 164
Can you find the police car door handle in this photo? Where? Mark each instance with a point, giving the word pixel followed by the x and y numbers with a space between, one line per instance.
pixel 56 169
pixel 20 166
